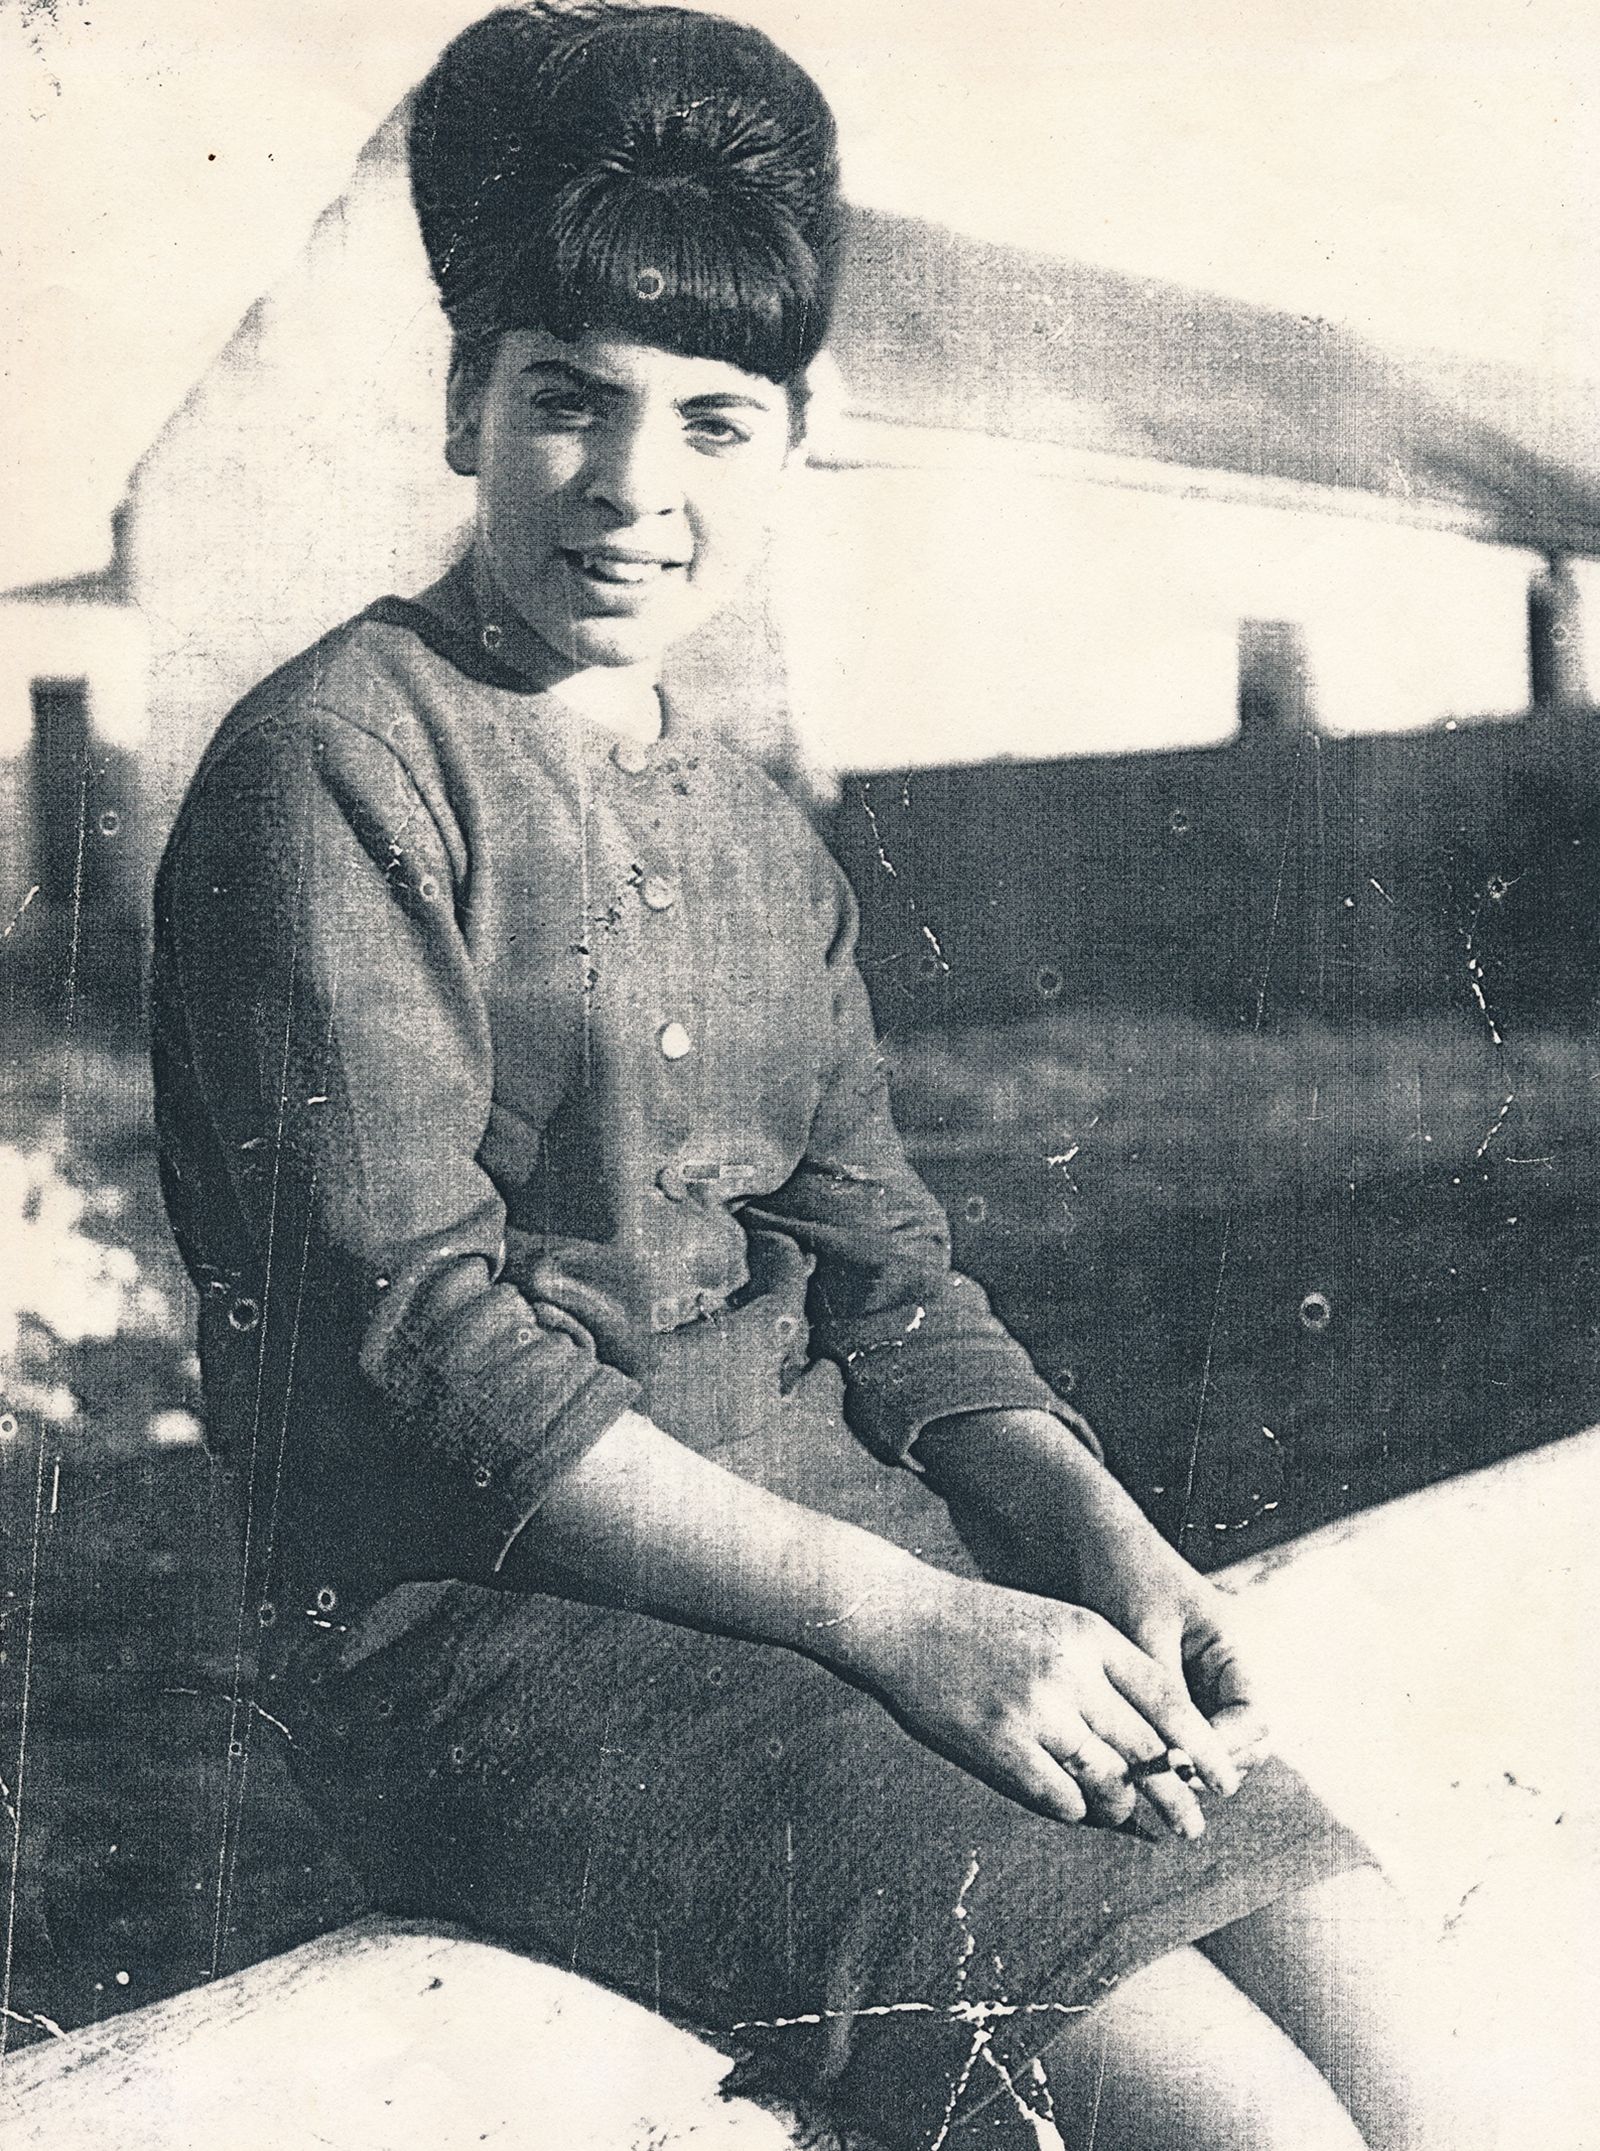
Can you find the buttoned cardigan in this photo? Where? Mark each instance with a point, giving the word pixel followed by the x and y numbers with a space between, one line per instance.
pixel 485 1043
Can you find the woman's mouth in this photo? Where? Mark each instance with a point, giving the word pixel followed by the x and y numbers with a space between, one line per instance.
pixel 620 570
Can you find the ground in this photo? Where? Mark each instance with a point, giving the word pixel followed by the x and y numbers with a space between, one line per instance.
pixel 1288 1276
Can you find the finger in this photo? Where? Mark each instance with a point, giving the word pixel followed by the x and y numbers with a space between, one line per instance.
pixel 1161 1640
pixel 1240 1724
pixel 1100 1772
pixel 1166 1703
pixel 1247 1734
pixel 1218 1676
pixel 1247 1760
pixel 1120 1724
pixel 1220 1681
pixel 1033 1776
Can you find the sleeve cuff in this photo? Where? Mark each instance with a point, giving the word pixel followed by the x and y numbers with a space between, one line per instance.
pixel 892 1396
pixel 593 1411
pixel 494 1459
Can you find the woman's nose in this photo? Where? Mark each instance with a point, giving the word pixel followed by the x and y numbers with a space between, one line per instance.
pixel 632 471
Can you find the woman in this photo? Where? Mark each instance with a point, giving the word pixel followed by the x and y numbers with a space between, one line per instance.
pixel 664 1560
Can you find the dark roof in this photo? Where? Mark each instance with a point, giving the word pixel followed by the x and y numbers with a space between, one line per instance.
pixel 938 329
pixel 101 586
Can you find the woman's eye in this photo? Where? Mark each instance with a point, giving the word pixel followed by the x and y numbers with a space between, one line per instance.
pixel 717 433
pixel 555 407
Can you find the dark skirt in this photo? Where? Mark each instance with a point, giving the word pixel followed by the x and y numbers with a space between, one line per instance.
pixel 735 1836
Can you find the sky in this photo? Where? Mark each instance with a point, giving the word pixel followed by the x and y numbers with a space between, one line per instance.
pixel 1424 172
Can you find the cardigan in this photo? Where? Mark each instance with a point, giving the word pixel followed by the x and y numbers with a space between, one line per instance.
pixel 493 1054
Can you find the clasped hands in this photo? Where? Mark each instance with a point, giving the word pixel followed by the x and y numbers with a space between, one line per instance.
pixel 1090 1651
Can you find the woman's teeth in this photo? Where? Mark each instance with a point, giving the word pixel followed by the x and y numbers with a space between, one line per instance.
pixel 606 568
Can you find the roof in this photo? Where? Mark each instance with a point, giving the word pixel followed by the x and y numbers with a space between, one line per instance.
pixel 100 586
pixel 942 330
pixel 940 336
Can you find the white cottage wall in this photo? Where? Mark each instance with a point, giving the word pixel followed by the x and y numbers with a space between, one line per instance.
pixel 305 476
pixel 939 594
pixel 300 478
pixel 1036 614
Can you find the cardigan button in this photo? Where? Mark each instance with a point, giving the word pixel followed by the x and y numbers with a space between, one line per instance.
pixel 674 1041
pixel 631 756
pixel 657 892
pixel 682 1177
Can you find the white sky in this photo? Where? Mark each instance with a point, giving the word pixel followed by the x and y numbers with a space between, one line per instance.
pixel 1424 171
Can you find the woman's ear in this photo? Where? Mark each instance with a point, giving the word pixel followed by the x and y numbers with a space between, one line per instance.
pixel 463 409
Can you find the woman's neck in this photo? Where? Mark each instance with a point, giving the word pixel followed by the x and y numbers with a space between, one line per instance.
pixel 619 698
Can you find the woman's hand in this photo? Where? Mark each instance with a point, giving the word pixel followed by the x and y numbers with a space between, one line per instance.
pixel 1128 1572
pixel 1043 1514
pixel 1044 1701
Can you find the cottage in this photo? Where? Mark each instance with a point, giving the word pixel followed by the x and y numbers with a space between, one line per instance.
pixel 1123 512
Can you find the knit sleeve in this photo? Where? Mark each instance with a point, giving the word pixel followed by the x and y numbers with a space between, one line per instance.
pixel 324 1080
pixel 914 1338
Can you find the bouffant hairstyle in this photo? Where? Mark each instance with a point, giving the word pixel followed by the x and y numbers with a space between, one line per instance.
pixel 646 171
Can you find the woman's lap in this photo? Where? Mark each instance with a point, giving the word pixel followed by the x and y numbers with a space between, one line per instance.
pixel 730 1832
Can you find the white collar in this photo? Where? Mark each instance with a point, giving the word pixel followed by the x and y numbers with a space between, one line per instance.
pixel 621 701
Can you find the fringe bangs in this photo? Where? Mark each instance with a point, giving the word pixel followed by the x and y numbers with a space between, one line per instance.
pixel 673 267
pixel 665 176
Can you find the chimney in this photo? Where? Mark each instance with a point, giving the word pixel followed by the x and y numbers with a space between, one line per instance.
pixel 1555 651
pixel 1275 703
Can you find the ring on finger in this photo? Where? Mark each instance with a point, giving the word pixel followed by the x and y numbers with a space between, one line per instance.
pixel 1178 1761
pixel 1096 1775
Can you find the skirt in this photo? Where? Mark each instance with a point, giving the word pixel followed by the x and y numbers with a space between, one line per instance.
pixel 737 1837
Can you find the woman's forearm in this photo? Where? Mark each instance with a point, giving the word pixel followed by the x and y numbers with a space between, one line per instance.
pixel 1001 1682
pixel 645 1522
pixel 1030 1498
pixel 1026 1468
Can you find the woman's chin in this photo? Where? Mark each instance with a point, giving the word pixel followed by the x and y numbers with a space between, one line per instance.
pixel 615 642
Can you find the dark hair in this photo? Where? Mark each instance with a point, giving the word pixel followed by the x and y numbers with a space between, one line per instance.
pixel 650 171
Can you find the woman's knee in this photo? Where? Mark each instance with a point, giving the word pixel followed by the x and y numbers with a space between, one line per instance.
pixel 1344 1970
pixel 1175 2058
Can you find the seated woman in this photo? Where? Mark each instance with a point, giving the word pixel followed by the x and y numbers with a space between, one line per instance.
pixel 664 1560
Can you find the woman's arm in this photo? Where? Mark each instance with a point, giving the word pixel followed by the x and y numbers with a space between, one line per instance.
pixel 1043 1514
pixel 914 1339
pixel 1046 1702
pixel 934 1381
pixel 324 1083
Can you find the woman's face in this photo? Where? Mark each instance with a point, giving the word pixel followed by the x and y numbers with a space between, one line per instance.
pixel 623 492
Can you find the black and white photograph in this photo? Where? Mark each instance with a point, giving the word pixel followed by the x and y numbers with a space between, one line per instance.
pixel 800 1116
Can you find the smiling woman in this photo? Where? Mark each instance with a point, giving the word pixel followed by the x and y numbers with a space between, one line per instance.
pixel 623 491
pixel 663 1557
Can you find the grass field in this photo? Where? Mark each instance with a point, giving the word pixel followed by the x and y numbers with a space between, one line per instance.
pixel 1287 1276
